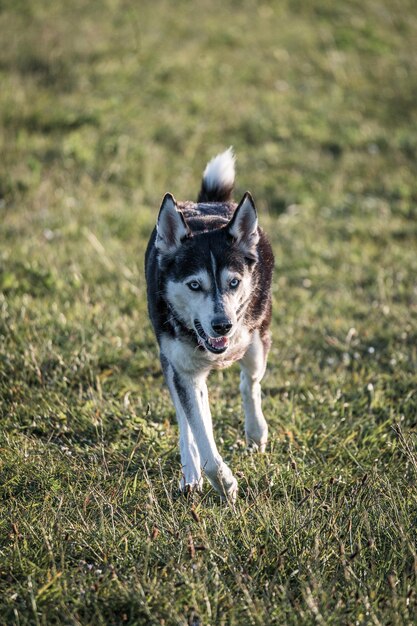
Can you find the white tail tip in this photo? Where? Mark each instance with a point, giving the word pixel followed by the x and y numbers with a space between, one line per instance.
pixel 220 171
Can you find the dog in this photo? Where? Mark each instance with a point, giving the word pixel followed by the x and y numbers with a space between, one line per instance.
pixel 208 270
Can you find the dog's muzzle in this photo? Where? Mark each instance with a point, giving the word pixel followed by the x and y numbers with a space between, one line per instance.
pixel 217 345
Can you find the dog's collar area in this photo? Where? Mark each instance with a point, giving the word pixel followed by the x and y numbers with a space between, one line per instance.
pixel 217 345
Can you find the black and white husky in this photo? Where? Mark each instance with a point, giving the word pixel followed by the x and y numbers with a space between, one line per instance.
pixel 208 270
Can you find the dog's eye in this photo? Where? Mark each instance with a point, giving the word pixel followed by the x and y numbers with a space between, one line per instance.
pixel 234 283
pixel 194 285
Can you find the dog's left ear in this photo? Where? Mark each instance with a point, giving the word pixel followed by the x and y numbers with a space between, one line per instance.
pixel 243 226
pixel 171 227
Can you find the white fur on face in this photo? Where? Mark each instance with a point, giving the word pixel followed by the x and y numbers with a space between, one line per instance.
pixel 190 305
pixel 199 305
pixel 234 298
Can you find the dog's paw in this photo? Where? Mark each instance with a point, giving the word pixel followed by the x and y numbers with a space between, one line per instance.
pixel 224 482
pixel 231 494
pixel 256 439
pixel 254 447
pixel 194 485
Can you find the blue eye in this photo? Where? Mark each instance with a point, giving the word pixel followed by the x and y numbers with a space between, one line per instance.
pixel 194 285
pixel 234 283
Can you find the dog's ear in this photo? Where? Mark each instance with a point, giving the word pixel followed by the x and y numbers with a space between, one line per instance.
pixel 243 227
pixel 171 227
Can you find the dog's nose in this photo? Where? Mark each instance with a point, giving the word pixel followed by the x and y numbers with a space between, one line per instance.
pixel 221 325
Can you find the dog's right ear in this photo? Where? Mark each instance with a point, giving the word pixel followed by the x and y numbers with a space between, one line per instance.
pixel 244 227
pixel 171 227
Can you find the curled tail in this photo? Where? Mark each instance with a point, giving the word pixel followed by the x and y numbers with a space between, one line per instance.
pixel 218 178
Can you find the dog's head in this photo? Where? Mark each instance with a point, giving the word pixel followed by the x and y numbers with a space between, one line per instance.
pixel 208 275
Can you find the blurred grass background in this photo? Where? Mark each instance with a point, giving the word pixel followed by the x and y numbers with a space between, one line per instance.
pixel 104 106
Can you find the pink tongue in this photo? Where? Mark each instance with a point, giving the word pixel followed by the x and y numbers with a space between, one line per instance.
pixel 218 342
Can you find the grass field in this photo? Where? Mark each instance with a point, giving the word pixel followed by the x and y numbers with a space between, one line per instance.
pixel 104 106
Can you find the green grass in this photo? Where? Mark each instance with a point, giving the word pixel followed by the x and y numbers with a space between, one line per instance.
pixel 104 106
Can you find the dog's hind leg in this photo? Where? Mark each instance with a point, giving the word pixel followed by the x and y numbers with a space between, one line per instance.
pixel 253 367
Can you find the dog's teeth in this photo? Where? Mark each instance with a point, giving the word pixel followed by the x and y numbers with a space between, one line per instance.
pixel 218 342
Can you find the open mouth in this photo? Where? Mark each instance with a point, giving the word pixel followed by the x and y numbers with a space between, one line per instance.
pixel 213 344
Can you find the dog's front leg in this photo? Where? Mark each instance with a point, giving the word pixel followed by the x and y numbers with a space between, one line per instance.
pixel 192 479
pixel 253 367
pixel 189 393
